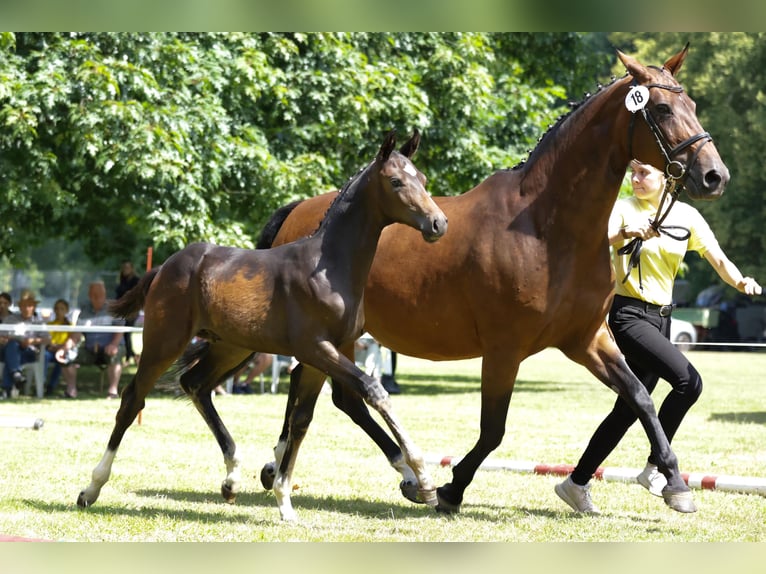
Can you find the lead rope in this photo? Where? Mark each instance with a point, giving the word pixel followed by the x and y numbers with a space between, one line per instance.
pixel 677 232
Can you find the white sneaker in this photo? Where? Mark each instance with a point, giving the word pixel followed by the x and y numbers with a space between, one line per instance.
pixel 576 496
pixel 652 479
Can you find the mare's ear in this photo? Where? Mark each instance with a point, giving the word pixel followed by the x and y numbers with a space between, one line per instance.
pixel 411 147
pixel 674 63
pixel 387 147
pixel 634 67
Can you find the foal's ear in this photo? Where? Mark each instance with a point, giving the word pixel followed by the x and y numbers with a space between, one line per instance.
pixel 388 146
pixel 409 148
pixel 674 63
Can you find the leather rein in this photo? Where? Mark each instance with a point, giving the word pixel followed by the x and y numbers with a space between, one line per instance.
pixel 675 178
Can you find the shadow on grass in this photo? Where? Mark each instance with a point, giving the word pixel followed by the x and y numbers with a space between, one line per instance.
pixel 151 502
pixel 754 417
pixel 437 384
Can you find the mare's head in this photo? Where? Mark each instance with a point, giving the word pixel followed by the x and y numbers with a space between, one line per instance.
pixel 666 132
pixel 402 189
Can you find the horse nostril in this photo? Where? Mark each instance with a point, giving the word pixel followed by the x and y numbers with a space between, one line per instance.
pixel 713 179
pixel 439 226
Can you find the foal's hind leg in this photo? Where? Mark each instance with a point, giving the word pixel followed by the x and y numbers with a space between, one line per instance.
pixel 132 402
pixel 219 362
pixel 604 359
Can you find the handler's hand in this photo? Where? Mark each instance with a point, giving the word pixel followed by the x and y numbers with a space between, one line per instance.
pixel 749 286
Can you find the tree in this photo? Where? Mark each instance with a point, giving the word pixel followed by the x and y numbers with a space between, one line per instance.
pixel 126 140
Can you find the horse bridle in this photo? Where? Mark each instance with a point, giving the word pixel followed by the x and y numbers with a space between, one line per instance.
pixel 675 179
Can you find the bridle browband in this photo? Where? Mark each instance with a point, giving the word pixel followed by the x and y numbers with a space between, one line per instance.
pixel 675 179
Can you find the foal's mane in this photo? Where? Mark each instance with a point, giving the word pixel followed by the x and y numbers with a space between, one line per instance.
pixel 341 194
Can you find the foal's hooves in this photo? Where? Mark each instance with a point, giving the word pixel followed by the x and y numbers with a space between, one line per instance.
pixel 680 501
pixel 410 491
pixel 228 493
pixel 268 473
pixel 83 502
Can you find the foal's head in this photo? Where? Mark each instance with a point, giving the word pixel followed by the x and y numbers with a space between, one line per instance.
pixel 402 196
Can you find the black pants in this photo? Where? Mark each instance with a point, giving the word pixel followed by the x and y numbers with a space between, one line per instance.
pixel 643 337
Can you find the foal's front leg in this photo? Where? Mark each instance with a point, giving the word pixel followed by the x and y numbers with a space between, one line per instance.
pixel 345 372
pixel 305 385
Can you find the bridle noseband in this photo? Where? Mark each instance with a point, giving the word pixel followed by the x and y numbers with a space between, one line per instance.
pixel 675 179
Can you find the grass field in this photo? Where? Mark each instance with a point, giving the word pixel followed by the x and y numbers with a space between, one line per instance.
pixel 165 481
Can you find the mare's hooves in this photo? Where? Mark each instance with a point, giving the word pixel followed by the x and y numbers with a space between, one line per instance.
pixel 268 472
pixel 443 505
pixel 679 501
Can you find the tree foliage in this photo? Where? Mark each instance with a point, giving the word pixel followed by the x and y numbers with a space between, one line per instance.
pixel 120 141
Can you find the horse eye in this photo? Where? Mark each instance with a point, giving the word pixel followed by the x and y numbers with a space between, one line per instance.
pixel 663 109
pixel 396 182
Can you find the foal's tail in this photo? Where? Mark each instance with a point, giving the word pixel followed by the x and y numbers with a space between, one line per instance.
pixel 133 301
pixel 274 224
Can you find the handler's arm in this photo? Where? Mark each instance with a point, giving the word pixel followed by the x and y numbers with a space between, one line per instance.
pixel 730 273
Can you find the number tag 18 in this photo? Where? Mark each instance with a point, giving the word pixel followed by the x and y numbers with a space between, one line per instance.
pixel 637 98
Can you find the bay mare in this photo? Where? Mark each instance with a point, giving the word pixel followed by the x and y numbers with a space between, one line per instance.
pixel 301 299
pixel 526 263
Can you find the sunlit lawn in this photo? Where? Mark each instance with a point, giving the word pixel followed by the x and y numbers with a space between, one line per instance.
pixel 166 478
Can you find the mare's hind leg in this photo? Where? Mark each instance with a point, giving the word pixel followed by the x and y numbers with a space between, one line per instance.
pixel 305 385
pixel 153 364
pixel 215 365
pixel 604 359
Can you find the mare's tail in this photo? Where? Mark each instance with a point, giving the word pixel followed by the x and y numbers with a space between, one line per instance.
pixel 274 224
pixel 133 301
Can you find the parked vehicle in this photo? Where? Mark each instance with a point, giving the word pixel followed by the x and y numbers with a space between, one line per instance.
pixel 683 334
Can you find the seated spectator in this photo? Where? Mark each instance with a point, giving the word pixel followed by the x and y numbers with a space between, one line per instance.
pixel 21 347
pixel 57 342
pixel 5 305
pixel 257 365
pixel 99 348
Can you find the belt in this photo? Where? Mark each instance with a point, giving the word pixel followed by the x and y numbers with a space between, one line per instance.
pixel 661 310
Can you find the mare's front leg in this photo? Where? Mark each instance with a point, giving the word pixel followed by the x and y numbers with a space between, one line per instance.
pixel 305 385
pixel 498 376
pixel 603 358
pixel 345 372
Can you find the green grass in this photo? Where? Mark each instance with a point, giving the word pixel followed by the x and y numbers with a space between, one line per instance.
pixel 166 478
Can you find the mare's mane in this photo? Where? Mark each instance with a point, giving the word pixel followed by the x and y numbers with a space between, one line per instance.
pixel 544 140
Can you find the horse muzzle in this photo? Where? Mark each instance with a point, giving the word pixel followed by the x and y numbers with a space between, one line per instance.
pixel 434 228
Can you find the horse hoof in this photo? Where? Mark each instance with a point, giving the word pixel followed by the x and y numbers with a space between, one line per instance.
pixel 228 493
pixel 443 505
pixel 83 502
pixel 268 472
pixel 428 497
pixel 679 501
pixel 410 491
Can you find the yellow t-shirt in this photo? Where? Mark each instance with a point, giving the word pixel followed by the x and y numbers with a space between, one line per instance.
pixel 59 337
pixel 661 256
